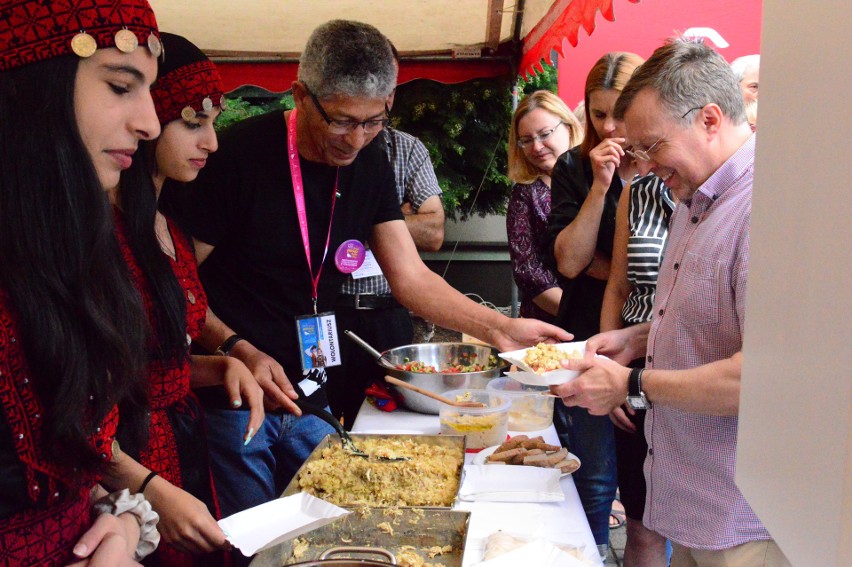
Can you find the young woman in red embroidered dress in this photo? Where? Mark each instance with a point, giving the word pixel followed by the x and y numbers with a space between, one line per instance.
pixel 74 105
pixel 188 97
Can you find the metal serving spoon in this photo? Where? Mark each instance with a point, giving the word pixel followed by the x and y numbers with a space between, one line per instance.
pixel 345 439
pixel 380 358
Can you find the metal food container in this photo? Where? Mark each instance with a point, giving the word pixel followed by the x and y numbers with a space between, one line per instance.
pixel 451 441
pixel 440 355
pixel 420 528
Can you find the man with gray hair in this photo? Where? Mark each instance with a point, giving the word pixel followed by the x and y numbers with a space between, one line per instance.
pixel 747 71
pixel 686 123
pixel 365 304
pixel 280 216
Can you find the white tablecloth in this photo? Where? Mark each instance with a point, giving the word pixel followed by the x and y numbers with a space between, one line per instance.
pixel 562 522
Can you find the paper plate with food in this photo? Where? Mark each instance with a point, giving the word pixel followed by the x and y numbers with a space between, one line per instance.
pixel 541 365
pixel 531 452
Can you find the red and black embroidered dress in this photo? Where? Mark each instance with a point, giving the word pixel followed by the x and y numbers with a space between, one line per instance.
pixel 42 515
pixel 177 446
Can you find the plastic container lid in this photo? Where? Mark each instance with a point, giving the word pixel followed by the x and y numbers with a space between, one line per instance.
pixel 512 388
pixel 530 410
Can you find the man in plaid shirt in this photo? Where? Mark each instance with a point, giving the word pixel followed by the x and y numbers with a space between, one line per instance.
pixel 365 304
pixel 685 119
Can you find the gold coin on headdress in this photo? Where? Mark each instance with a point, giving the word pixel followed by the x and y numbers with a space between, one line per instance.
pixel 222 103
pixel 116 449
pixel 83 45
pixel 155 46
pixel 207 104
pixel 187 113
pixel 125 41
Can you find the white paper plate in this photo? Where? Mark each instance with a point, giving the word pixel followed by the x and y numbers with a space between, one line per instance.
pixel 480 458
pixel 552 378
pixel 278 520
pixel 538 552
pixel 488 483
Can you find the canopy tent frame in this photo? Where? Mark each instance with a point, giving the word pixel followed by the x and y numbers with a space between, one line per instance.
pixel 504 41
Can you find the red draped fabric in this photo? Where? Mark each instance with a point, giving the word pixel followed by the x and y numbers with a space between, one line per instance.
pixel 279 76
pixel 561 22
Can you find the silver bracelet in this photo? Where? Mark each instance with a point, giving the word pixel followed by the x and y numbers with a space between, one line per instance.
pixel 122 502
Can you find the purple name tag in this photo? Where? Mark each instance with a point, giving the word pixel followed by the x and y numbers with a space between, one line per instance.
pixel 349 256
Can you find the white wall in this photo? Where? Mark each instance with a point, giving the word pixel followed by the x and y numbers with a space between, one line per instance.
pixel 490 229
pixel 794 461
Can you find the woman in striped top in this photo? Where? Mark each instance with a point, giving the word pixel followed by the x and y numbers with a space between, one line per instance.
pixel 641 229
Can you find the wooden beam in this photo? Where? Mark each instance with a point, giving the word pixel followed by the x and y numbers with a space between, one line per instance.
pixel 494 24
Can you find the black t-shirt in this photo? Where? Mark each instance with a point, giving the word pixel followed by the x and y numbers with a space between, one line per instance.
pixel 582 297
pixel 257 278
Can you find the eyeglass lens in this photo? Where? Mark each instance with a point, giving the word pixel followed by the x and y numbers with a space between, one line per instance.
pixel 345 126
pixel 541 137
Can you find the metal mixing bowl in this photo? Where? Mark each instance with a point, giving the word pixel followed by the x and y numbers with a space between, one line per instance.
pixel 439 355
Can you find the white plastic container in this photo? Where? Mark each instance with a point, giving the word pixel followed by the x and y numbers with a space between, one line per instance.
pixel 482 427
pixel 530 410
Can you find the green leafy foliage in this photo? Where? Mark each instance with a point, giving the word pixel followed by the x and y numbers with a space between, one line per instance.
pixel 237 109
pixel 546 80
pixel 464 128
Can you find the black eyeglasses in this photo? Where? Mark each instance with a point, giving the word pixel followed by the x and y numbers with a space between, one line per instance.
pixel 371 126
pixel 645 155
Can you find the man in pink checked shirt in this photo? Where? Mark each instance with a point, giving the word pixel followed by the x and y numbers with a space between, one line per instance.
pixel 686 122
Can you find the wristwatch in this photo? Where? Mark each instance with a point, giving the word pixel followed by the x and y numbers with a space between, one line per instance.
pixel 635 396
pixel 228 345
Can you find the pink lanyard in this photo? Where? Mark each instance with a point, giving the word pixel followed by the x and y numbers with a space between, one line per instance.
pixel 299 193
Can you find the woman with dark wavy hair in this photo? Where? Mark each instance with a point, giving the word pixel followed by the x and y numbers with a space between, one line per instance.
pixel 74 106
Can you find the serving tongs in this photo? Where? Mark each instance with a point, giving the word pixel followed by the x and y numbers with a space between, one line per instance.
pixel 348 445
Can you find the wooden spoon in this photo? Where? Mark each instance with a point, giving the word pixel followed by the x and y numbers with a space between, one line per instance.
pixel 433 395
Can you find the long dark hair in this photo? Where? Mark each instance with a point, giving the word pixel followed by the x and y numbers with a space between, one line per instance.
pixel 139 203
pixel 80 318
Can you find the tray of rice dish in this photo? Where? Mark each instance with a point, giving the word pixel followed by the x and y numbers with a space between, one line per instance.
pixel 430 478
pixel 417 537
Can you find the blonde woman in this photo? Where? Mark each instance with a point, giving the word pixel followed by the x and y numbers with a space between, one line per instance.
pixel 543 128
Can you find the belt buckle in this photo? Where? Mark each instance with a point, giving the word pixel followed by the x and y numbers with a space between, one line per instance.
pixel 358 301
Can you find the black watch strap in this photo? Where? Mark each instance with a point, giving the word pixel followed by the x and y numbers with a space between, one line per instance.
pixel 228 345
pixel 634 382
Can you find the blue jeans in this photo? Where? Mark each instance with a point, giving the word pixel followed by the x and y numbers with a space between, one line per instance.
pixel 248 475
pixel 591 438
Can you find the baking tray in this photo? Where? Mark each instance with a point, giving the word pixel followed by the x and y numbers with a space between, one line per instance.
pixel 420 528
pixel 456 441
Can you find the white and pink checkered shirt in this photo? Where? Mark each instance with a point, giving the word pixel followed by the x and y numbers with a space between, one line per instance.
pixel 698 318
